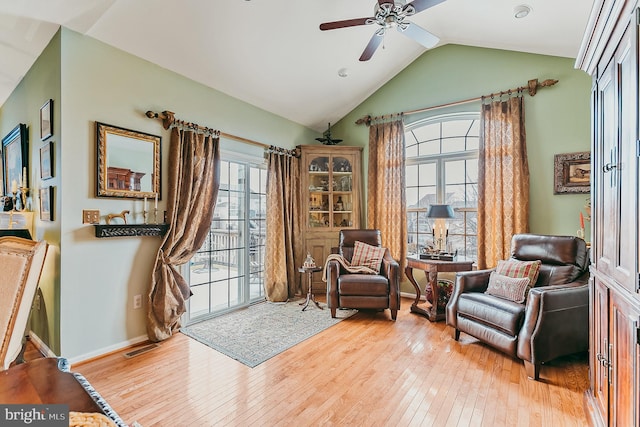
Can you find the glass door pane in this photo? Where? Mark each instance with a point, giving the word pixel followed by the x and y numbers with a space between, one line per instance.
pixel 227 271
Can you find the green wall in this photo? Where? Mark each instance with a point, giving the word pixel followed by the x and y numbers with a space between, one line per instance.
pixel 89 283
pixel 95 279
pixel 557 118
pixel 40 84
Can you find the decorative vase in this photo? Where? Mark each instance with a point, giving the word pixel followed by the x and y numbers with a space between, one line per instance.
pixel 445 288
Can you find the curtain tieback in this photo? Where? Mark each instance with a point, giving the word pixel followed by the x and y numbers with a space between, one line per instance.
pixel 165 258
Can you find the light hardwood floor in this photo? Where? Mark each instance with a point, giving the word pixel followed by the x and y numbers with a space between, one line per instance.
pixel 364 371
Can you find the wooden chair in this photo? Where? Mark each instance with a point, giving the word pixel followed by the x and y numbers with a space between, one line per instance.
pixel 21 262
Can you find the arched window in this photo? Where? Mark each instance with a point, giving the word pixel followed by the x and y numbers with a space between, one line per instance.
pixel 442 168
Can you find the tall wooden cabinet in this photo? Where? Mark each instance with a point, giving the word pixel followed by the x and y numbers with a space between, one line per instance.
pixel 610 54
pixel 331 199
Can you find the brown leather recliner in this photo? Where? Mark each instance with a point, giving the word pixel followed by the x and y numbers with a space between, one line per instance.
pixel 363 291
pixel 553 321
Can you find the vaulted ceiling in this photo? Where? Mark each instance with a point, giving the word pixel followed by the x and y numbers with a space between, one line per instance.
pixel 271 53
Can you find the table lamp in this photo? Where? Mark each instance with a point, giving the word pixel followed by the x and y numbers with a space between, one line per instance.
pixel 440 231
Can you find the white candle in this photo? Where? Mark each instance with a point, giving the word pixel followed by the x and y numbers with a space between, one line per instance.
pixel 156 205
pixel 144 206
pixel 14 186
pixel 24 177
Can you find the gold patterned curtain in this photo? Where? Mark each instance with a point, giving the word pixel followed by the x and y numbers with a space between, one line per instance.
pixel 386 201
pixel 194 180
pixel 283 252
pixel 503 175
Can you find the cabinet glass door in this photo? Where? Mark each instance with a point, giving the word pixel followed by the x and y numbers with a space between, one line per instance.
pixel 319 193
pixel 342 196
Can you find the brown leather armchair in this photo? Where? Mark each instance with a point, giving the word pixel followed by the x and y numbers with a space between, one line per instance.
pixel 553 321
pixel 364 291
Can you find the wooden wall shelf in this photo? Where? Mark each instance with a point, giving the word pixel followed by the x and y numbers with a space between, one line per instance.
pixel 130 230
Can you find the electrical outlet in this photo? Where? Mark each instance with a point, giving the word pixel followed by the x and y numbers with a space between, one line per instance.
pixel 137 301
pixel 90 216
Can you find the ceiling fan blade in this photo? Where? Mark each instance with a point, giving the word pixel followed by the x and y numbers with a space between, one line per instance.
pixel 419 34
pixel 371 47
pixel 346 23
pixel 420 5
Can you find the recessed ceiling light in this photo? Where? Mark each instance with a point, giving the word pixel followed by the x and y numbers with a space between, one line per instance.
pixel 521 11
pixel 343 72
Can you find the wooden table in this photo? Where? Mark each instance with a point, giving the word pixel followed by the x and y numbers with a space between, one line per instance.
pixel 431 268
pixel 310 297
pixel 41 382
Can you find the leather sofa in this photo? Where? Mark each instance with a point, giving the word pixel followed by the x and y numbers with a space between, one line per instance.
pixel 363 291
pixel 554 319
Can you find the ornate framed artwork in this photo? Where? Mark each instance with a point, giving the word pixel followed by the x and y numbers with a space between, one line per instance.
pixel 46 160
pixel 572 173
pixel 128 163
pixel 46 120
pixel 46 203
pixel 15 155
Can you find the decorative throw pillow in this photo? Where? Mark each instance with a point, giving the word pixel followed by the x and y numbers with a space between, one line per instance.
pixel 519 269
pixel 367 255
pixel 508 287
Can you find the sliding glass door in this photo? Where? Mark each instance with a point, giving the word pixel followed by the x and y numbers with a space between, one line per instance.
pixel 227 271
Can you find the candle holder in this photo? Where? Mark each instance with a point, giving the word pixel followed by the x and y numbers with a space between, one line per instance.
pixel 23 198
pixel 144 216
pixel 14 199
pixel 155 215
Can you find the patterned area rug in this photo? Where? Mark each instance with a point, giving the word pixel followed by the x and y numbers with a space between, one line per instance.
pixel 257 333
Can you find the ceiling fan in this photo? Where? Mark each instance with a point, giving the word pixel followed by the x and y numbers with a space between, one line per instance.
pixel 326 137
pixel 388 14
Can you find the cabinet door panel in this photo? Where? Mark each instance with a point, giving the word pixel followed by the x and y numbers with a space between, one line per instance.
pixel 615 165
pixel 600 344
pixel 625 173
pixel 623 359
pixel 606 142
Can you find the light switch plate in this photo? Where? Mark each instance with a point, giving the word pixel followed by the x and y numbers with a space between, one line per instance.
pixel 90 216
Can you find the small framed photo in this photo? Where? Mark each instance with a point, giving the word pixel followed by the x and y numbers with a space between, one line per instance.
pixel 46 120
pixel 572 173
pixel 46 203
pixel 46 160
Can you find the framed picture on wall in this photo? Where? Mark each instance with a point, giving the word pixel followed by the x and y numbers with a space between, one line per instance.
pixel 572 173
pixel 14 159
pixel 46 160
pixel 46 120
pixel 46 203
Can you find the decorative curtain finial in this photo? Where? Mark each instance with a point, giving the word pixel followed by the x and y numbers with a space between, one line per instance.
pixel 169 119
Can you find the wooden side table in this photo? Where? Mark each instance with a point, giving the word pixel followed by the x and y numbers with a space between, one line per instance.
pixel 310 297
pixel 431 268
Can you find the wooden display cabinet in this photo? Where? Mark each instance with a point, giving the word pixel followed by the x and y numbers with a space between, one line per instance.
pixel 609 53
pixel 331 197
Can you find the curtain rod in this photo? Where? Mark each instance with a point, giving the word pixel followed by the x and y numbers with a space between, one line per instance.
pixel 532 87
pixel 168 118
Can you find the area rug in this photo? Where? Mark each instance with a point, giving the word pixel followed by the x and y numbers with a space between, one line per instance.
pixel 257 333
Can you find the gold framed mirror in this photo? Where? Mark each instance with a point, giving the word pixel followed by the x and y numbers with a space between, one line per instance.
pixel 128 163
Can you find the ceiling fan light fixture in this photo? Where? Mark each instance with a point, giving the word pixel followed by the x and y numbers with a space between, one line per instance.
pixel 521 11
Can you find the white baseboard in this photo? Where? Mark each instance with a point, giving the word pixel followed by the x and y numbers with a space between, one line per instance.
pixel 110 349
pixel 413 296
pixel 40 345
